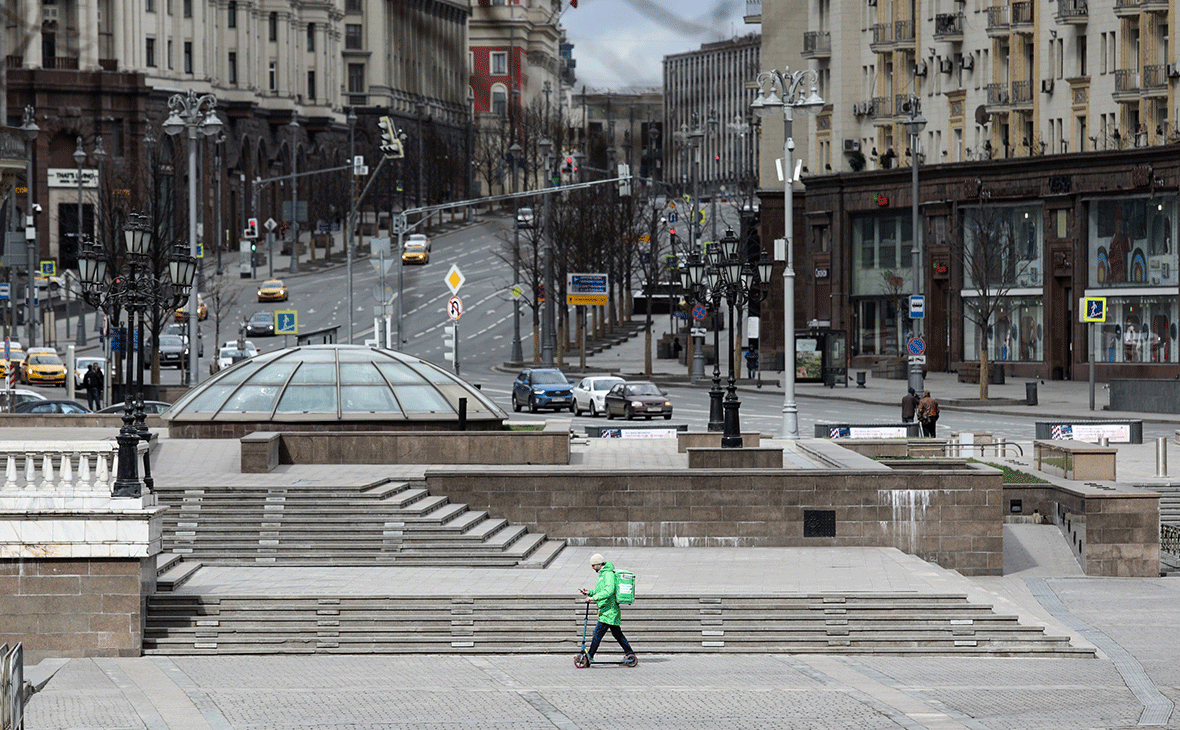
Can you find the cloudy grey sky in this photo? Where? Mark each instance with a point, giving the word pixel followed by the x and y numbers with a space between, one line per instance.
pixel 623 42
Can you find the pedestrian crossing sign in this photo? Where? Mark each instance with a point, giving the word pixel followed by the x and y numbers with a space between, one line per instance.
pixel 1093 309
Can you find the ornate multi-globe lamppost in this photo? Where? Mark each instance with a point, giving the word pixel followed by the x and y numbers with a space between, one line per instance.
pixel 117 283
pixel 725 274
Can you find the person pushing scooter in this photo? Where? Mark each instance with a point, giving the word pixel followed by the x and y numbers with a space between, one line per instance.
pixel 608 608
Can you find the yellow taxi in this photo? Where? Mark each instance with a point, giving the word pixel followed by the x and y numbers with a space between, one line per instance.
pixel 17 356
pixel 272 290
pixel 43 366
pixel 202 311
pixel 415 253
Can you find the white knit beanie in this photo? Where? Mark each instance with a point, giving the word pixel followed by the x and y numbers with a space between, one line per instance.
pixel 597 559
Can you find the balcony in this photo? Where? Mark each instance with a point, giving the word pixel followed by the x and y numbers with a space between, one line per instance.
pixel 1154 6
pixel 1075 12
pixel 753 11
pixel 1155 80
pixel 1126 84
pixel 64 63
pixel 903 34
pixel 1022 17
pixel 882 110
pixel 999 97
pixel 997 20
pixel 882 38
pixel 817 44
pixel 1126 8
pixel 1022 94
pixel 948 27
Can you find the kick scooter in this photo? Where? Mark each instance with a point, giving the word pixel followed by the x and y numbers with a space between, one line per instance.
pixel 583 660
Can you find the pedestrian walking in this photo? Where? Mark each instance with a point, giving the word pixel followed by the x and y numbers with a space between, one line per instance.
pixel 608 607
pixel 928 414
pixel 92 382
pixel 909 404
pixel 751 362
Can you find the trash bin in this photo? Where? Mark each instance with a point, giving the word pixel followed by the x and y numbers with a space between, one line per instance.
pixel 1030 393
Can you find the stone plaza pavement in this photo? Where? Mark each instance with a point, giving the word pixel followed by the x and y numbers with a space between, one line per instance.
pixel 1132 623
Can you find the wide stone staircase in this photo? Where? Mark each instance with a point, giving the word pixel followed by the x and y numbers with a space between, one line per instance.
pixel 843 623
pixel 381 523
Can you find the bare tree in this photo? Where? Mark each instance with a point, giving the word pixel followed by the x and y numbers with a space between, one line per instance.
pixel 994 261
pixel 223 295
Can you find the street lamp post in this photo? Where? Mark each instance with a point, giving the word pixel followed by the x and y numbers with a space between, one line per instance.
pixel 80 157
pixel 694 138
pixel 548 336
pixel 350 222
pixel 790 87
pixel 31 130
pixel 294 125
pixel 914 124
pixel 133 289
pixel 517 350
pixel 195 115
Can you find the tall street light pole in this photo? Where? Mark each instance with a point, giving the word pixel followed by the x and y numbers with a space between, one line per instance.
pixel 350 221
pixel 790 87
pixel 548 336
pixel 517 350
pixel 294 125
pixel 914 125
pixel 195 115
pixel 694 137
pixel 80 157
pixel 31 130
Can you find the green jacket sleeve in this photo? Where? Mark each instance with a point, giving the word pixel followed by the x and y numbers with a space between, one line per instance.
pixel 604 590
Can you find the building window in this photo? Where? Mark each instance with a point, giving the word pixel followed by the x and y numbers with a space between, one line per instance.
pixel 231 17
pixel 356 78
pixel 149 6
pixel 500 64
pixel 150 52
pixel 311 85
pixel 1016 326
pixel 311 36
pixel 1132 243
pixel 273 26
pixel 187 8
pixel 352 6
pixel 188 57
pixel 353 36
pixel 273 77
pixel 1003 248
pixel 233 67
pixel 169 54
pixel 500 100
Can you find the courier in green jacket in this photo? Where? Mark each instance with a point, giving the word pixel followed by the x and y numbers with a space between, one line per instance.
pixel 608 607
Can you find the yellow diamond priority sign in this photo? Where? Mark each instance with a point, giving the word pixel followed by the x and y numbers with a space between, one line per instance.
pixel 455 279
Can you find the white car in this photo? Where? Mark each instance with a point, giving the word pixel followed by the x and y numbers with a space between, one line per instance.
pixel 418 239
pixel 588 394
pixel 18 397
pixel 82 363
pixel 227 356
pixel 246 345
pixel 525 218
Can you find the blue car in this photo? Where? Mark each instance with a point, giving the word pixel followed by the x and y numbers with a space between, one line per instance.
pixel 542 388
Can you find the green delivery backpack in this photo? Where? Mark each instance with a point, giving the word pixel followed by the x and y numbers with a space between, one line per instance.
pixel 624 587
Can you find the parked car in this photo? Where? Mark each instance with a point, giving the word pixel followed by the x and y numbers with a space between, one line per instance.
pixel 43 366
pixel 590 391
pixel 637 399
pixel 52 406
pixel 242 345
pixel 181 329
pixel 228 356
pixel 82 363
pixel 541 388
pixel 202 311
pixel 415 254
pixel 525 218
pixel 16 356
pixel 260 324
pixel 272 290
pixel 173 350
pixel 18 397
pixel 149 406
pixel 417 239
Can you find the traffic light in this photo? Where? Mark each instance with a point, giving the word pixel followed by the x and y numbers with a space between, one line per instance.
pixel 253 246
pixel 672 236
pixel 391 144
pixel 449 342
pixel 568 167
pixel 251 228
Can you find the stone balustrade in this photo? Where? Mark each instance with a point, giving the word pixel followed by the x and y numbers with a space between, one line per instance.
pixel 62 475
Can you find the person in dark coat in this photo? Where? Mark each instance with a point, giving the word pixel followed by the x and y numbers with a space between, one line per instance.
pixel 909 404
pixel 92 382
pixel 928 414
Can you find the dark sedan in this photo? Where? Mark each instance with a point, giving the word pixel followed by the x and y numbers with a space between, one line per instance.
pixel 149 406
pixel 260 324
pixel 51 406
pixel 173 350
pixel 642 400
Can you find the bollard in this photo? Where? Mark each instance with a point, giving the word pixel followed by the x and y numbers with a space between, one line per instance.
pixel 1104 441
pixel 1161 456
pixel 1000 450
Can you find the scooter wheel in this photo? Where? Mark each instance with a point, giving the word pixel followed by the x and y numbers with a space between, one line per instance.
pixel 581 661
pixel 631 660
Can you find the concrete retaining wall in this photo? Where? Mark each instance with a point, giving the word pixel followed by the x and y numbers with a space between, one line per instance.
pixel 948 514
pixel 1146 395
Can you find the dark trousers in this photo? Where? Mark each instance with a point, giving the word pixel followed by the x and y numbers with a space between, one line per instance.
pixel 928 428
pixel 93 399
pixel 600 631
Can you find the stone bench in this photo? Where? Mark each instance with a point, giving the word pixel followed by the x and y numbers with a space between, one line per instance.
pixel 760 458
pixel 1077 460
pixel 712 440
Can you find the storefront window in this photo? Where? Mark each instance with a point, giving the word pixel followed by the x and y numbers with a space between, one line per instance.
pixel 1139 329
pixel 877 331
pixel 881 257
pixel 1016 334
pixel 1131 242
pixel 1004 248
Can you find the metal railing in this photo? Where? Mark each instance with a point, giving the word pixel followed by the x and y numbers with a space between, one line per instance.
pixel 948 24
pixel 882 34
pixel 998 95
pixel 1126 80
pixel 1170 539
pixel 903 31
pixel 1022 92
pixel 1067 9
pixel 817 42
pixel 882 107
pixel 1022 12
pixel 1155 76
pixel 997 17
pixel 12 687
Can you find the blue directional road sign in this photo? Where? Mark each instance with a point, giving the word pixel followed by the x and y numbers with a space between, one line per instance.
pixel 287 322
